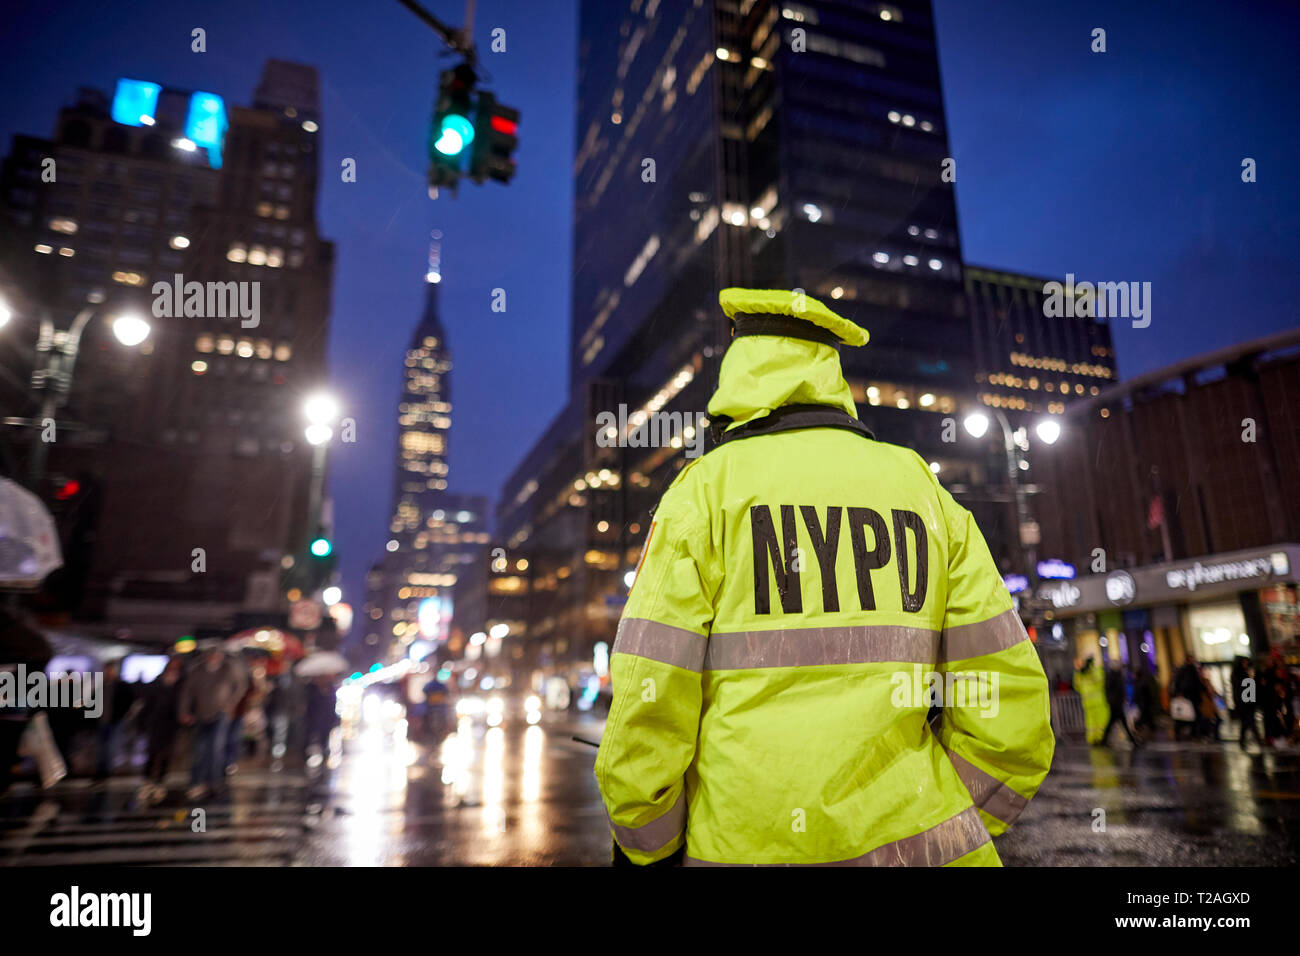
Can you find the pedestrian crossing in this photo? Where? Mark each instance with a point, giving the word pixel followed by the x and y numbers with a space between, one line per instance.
pixel 261 819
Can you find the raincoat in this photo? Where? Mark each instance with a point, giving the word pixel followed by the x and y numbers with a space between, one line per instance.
pixel 1091 685
pixel 804 593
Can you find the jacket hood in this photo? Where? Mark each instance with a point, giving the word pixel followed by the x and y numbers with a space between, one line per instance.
pixel 763 372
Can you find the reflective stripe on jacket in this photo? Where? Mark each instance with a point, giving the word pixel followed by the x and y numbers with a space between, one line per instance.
pixel 801 597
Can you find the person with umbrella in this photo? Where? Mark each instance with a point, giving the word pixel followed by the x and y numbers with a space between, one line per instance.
pixel 29 550
pixel 207 700
pixel 320 670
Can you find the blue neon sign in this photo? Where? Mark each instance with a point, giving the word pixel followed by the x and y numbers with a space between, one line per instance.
pixel 206 124
pixel 1056 568
pixel 135 102
pixel 1016 583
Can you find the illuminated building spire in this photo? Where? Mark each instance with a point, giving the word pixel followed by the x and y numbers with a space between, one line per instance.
pixel 434 275
pixel 430 324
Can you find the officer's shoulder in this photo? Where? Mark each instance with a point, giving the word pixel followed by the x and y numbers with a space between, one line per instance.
pixel 903 456
pixel 684 477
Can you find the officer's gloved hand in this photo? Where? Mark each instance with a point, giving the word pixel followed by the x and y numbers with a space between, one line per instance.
pixel 673 859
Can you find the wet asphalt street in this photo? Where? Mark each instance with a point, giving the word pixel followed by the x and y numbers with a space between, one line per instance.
pixel 520 795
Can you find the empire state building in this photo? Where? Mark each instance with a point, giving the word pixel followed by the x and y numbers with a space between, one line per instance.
pixel 433 532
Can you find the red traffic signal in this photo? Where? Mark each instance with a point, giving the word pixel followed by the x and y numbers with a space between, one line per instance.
pixel 495 138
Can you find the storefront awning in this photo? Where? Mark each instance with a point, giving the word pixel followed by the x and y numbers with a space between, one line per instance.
pixel 1176 582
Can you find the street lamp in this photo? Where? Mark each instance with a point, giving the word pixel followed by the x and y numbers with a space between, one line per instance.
pixel 976 424
pixel 130 329
pixel 321 409
pixel 1048 431
pixel 56 359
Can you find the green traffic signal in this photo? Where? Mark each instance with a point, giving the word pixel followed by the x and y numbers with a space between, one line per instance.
pixel 454 134
pixel 321 547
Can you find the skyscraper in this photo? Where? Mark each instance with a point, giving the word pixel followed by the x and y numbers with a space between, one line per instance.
pixel 760 143
pixel 194 441
pixel 433 533
pixel 1026 361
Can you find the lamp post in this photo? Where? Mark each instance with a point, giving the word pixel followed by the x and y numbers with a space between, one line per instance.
pixel 321 411
pixel 1048 431
pixel 56 359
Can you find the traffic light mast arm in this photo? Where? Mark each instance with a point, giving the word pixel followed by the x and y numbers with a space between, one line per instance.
pixel 461 41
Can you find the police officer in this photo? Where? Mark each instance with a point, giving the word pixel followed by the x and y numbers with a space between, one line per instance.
pixel 805 593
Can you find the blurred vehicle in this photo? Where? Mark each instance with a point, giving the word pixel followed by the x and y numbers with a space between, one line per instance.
pixel 501 709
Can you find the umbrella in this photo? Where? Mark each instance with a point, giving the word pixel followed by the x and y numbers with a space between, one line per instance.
pixel 320 663
pixel 269 640
pixel 29 543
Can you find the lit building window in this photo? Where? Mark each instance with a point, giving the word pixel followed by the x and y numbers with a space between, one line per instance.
pixel 66 226
pixel 203 343
pixel 198 366
pixel 282 352
pixel 237 253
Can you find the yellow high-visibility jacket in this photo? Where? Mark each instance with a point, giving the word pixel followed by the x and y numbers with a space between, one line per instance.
pixel 1091 686
pixel 802 595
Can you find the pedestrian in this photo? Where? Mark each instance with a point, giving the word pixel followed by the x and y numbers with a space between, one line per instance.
pixel 1274 701
pixel 242 694
pixel 1244 701
pixel 254 703
pixel 1209 710
pixel 1090 685
pixel 437 702
pixel 773 677
pixel 1145 689
pixel 1185 699
pixel 21 645
pixel 207 698
pixel 1115 700
pixel 119 698
pixel 160 722
pixel 321 715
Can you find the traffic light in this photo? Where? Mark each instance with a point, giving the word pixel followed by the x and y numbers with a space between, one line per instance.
pixel 495 139
pixel 452 130
pixel 321 547
pixel 74 503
